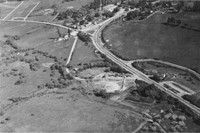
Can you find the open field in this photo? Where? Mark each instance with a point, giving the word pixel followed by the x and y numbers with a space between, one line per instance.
pixel 62 6
pixel 6 9
pixel 152 39
pixel 36 36
pixel 67 111
pixel 33 37
pixel 33 109
pixel 32 79
pixel 31 105
pixel 38 95
pixel 84 54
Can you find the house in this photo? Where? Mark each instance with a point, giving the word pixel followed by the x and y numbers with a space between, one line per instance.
pixel 109 7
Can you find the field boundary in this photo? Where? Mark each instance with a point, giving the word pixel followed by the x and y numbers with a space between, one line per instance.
pixel 13 10
pixel 31 10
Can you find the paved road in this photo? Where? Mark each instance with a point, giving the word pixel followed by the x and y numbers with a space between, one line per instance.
pixel 72 50
pixel 99 45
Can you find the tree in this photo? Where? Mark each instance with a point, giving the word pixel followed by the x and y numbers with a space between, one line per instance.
pixel 82 22
pixel 196 6
pixel 102 93
pixel 168 20
pixel 171 20
pixel 96 14
pixel 34 66
pixel 126 9
pixel 131 15
pixel 18 82
pixel 197 120
pixel 116 9
pixel 84 37
pixel 69 32
pixel 89 18
pixel 10 43
pixel 54 6
pixel 178 21
pixel 108 14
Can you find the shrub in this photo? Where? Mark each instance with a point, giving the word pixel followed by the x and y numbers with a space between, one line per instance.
pixel 102 94
pixel 18 82
pixel 84 37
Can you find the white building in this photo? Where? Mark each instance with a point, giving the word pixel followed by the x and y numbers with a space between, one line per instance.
pixel 110 7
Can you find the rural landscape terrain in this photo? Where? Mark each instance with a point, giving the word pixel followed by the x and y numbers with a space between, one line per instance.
pixel 99 66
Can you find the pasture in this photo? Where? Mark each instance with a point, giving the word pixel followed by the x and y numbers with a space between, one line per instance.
pixel 152 39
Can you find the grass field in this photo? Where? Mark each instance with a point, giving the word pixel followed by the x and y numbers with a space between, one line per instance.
pixel 40 37
pixel 5 11
pixel 61 6
pixel 84 54
pixel 6 8
pixel 67 111
pixel 55 110
pixel 151 39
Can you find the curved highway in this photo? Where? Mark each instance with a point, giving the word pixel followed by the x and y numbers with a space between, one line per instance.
pixel 96 38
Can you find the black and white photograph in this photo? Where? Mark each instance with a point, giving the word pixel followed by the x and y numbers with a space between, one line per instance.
pixel 99 66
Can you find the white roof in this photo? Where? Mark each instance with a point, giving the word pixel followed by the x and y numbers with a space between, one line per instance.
pixel 109 7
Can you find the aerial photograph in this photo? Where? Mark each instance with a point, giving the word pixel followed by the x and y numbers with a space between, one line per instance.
pixel 100 66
